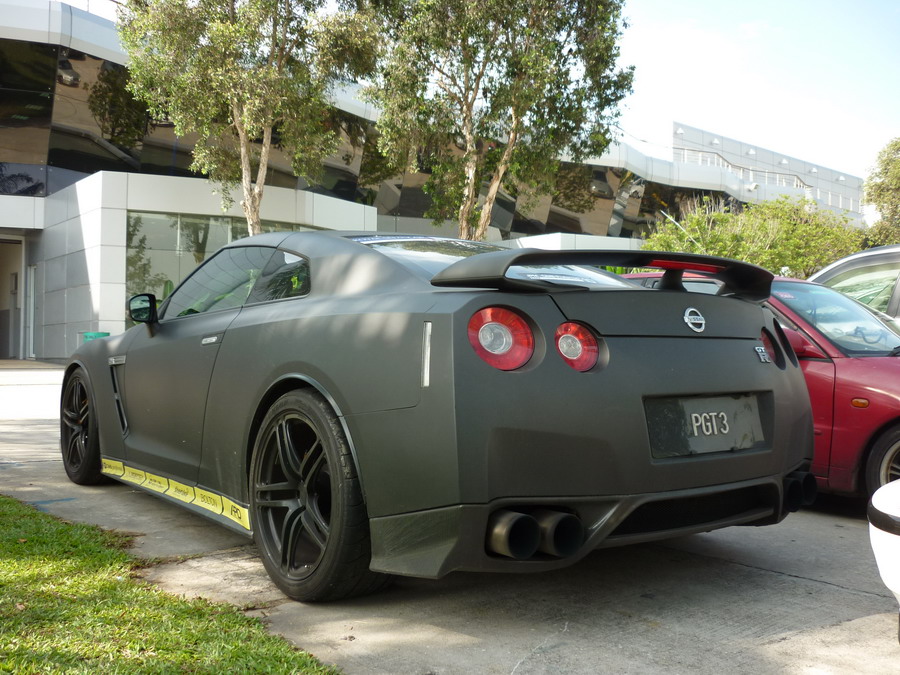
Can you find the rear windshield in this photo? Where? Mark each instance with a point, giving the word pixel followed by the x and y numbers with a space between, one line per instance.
pixel 426 256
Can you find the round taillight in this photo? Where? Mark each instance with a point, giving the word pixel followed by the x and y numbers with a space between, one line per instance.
pixel 501 337
pixel 577 345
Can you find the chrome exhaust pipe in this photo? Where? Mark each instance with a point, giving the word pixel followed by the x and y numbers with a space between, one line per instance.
pixel 513 534
pixel 562 534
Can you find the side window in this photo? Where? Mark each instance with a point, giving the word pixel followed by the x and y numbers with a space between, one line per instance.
pixel 286 276
pixel 222 282
pixel 871 285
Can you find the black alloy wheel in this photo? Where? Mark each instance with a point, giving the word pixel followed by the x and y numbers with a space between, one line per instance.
pixel 78 437
pixel 307 512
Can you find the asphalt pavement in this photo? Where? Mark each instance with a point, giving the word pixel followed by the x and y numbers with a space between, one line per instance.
pixel 802 597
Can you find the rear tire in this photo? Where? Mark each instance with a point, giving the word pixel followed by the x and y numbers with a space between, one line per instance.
pixel 307 512
pixel 79 440
pixel 883 464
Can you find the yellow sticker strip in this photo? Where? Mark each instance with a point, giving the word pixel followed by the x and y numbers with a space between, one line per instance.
pixel 181 491
pixel 133 475
pixel 208 500
pixel 236 512
pixel 111 467
pixel 156 483
pixel 171 488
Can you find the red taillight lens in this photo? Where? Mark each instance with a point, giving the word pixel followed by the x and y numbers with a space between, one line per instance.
pixel 501 337
pixel 577 345
pixel 769 345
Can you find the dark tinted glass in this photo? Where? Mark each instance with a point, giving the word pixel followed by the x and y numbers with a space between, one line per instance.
pixel 25 126
pixel 223 282
pixel 29 66
pixel 27 180
pixel 286 276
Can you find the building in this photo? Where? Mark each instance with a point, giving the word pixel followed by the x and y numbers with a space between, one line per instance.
pixel 97 203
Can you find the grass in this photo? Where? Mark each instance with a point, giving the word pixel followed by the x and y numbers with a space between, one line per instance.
pixel 69 603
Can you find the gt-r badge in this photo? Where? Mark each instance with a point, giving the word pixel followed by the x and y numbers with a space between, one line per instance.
pixel 763 355
pixel 694 319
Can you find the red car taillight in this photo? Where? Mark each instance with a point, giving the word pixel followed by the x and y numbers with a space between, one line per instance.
pixel 577 345
pixel 501 337
pixel 771 349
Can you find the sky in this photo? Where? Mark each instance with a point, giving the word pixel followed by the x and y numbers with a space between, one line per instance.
pixel 818 80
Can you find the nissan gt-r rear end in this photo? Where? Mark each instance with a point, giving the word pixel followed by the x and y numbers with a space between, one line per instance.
pixel 563 409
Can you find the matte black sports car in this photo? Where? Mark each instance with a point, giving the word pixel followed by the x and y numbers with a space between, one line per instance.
pixel 365 405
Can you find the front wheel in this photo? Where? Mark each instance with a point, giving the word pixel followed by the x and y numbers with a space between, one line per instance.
pixel 309 519
pixel 883 465
pixel 78 437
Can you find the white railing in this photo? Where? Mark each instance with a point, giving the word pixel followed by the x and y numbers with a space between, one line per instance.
pixel 763 177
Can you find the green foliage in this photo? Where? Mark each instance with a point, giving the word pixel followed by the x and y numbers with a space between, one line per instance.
pixel 790 237
pixel 69 603
pixel 497 90
pixel 883 233
pixel 882 188
pixel 245 76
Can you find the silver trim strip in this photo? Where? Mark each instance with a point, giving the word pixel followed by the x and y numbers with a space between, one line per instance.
pixel 426 355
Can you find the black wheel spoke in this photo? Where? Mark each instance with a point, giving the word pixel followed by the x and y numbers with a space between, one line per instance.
pixel 315 527
pixel 291 536
pixel 287 452
pixel 312 462
pixel 75 450
pixel 265 502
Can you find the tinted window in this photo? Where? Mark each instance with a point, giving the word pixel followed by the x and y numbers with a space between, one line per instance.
pixel 285 276
pixel 223 282
pixel 872 285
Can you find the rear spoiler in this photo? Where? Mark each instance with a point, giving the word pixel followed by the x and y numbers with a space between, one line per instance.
pixel 488 270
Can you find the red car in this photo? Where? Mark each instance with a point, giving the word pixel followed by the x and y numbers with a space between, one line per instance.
pixel 851 358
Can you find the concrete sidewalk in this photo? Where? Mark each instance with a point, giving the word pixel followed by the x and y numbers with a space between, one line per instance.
pixel 29 389
pixel 802 597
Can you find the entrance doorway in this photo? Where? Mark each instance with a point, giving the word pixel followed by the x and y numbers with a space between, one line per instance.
pixel 11 294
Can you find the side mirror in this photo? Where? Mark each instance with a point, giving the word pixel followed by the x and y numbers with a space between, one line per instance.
pixel 803 347
pixel 142 308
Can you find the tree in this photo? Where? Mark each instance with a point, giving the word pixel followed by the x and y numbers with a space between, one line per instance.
pixel 790 237
pixel 245 76
pixel 883 233
pixel 498 90
pixel 882 188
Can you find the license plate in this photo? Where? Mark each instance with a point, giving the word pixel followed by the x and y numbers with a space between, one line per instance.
pixel 686 426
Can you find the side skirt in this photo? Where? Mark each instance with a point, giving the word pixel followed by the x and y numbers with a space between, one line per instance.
pixel 204 502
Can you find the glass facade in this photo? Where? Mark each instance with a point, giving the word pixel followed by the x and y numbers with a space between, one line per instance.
pixel 65 114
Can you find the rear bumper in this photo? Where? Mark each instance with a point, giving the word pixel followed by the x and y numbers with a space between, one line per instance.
pixel 435 542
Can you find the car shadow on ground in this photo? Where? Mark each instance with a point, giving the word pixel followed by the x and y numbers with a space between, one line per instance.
pixel 840 505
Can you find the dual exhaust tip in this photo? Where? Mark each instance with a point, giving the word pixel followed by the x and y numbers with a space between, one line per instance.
pixel 520 535
pixel 799 488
